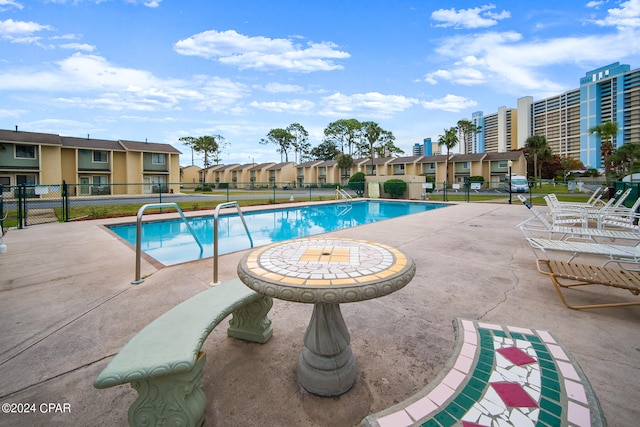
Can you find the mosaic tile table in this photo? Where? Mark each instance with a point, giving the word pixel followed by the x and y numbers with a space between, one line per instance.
pixel 326 272
pixel 500 376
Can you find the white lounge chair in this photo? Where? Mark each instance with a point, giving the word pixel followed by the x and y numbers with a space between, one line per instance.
pixel 545 227
pixel 586 213
pixel 594 201
pixel 621 217
pixel 612 253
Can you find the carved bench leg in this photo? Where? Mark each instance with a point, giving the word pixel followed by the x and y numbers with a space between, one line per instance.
pixel 171 400
pixel 250 322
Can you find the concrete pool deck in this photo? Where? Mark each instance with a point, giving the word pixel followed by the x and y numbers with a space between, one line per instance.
pixel 67 306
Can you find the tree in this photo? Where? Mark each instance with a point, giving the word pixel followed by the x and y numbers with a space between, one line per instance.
pixel 189 142
pixel 326 150
pixel 371 131
pixel 386 146
pixel 300 143
pixel 377 141
pixel 626 157
pixel 344 162
pixel 563 164
pixel 605 133
pixel 282 138
pixel 207 145
pixel 216 155
pixel 343 132
pixel 466 129
pixel 449 140
pixel 536 144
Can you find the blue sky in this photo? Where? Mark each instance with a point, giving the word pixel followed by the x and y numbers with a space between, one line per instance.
pixel 159 70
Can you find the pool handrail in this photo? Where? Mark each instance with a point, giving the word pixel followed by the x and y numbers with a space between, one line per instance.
pixel 216 214
pixel 138 280
pixel 342 193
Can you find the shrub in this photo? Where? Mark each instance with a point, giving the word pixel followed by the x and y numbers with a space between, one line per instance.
pixel 395 187
pixel 356 183
pixel 477 178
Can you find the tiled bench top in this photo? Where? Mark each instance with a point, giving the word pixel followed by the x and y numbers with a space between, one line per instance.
pixel 500 376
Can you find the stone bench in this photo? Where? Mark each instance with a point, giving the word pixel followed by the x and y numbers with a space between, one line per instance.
pixel 164 363
pixel 500 375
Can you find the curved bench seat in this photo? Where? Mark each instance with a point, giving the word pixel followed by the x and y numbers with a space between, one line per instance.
pixel 500 375
pixel 163 362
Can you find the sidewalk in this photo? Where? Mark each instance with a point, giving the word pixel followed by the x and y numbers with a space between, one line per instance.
pixel 67 306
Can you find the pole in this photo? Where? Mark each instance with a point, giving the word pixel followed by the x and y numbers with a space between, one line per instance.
pixel 510 189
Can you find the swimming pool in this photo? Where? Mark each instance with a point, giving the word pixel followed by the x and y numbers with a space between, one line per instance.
pixel 170 241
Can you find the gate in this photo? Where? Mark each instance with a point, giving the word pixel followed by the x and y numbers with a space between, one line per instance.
pixel 24 205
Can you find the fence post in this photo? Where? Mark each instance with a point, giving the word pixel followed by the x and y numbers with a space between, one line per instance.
pixel 1 210
pixel 65 201
pixel 20 190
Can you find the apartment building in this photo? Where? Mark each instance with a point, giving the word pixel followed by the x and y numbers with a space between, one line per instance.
pixel 32 158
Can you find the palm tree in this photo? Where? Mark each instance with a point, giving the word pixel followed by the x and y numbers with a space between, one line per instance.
pixel 449 140
pixel 605 133
pixel 465 129
pixel 535 144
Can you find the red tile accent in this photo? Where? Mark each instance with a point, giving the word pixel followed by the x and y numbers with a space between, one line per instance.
pixel 516 356
pixel 468 424
pixel 514 396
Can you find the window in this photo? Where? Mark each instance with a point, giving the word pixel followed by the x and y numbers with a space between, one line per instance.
pixel 25 151
pixel 26 179
pixel 157 158
pixel 100 157
pixel 465 165
pixel 502 164
pixel 99 180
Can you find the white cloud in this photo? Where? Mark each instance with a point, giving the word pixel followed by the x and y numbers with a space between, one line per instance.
pixel 451 103
pixel 595 4
pixel 477 17
pixel 371 104
pixel 21 31
pixel 515 66
pixel 625 16
pixel 11 113
pixel 4 3
pixel 461 75
pixel 261 53
pixel 78 46
pixel 118 88
pixel 294 106
pixel 281 88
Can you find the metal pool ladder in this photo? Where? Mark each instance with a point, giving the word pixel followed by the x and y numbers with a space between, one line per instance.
pixel 138 280
pixel 216 214
pixel 343 194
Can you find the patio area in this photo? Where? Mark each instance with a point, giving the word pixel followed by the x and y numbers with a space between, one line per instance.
pixel 67 306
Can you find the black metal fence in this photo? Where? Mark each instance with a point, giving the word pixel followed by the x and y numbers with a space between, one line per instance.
pixel 25 205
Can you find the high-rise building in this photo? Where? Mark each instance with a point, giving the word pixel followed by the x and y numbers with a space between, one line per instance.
pixel 426 149
pixel 610 93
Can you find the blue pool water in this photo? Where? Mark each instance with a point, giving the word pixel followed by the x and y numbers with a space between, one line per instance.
pixel 170 242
